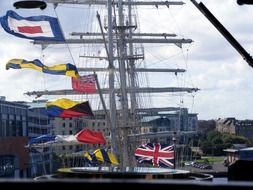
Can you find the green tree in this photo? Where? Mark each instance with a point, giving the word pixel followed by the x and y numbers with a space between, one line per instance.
pixel 215 142
pixel 250 141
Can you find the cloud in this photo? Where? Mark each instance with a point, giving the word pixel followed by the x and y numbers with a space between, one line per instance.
pixel 212 64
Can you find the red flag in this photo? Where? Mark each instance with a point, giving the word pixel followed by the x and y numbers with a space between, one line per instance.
pixel 92 137
pixel 84 84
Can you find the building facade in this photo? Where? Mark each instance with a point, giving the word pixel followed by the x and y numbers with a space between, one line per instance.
pixel 234 126
pixel 226 125
pixel 244 128
pixel 14 159
pixel 179 125
pixel 40 159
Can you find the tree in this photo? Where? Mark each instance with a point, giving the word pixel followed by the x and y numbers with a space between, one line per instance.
pixel 215 142
pixel 250 141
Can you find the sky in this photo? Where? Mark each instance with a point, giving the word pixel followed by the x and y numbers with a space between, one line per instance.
pixel 212 64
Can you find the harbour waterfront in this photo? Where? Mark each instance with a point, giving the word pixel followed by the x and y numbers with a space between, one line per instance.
pixel 218 170
pixel 220 180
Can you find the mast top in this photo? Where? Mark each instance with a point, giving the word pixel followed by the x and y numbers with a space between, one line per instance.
pixel 30 4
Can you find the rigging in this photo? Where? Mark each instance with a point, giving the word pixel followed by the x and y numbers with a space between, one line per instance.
pixel 246 56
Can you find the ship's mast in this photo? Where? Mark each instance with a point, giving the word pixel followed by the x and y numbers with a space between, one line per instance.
pixel 132 83
pixel 112 102
pixel 124 36
pixel 122 72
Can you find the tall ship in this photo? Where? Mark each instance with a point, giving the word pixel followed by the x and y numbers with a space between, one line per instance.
pixel 105 39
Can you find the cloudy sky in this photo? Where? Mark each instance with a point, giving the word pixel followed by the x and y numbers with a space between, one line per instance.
pixel 212 64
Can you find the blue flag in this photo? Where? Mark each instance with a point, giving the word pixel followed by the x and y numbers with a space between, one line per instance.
pixel 34 27
pixel 41 139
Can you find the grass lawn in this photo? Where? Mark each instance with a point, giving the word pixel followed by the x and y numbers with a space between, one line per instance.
pixel 211 159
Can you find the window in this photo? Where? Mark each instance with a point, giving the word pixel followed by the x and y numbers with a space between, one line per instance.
pixel 12 110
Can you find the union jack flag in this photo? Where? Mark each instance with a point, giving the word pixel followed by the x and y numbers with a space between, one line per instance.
pixel 85 84
pixel 156 154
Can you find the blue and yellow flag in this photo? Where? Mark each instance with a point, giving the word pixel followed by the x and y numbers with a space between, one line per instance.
pixel 61 69
pixel 105 156
pixel 100 156
pixel 90 160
